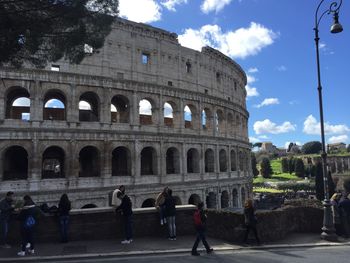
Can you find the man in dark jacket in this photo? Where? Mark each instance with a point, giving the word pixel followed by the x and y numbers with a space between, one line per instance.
pixel 126 210
pixel 6 209
pixel 200 225
pixel 170 212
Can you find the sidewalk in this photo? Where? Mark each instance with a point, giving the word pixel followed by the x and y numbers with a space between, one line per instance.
pixel 147 246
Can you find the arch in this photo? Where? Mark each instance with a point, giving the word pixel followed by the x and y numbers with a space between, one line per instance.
pixel 223 160
pixel 230 124
pixel 192 161
pixel 18 104
pixel 241 161
pixel 189 116
pixel 89 206
pixel 89 162
pixel 243 195
pixel 168 113
pixel 211 200
pixel 206 119
pixel 172 161
pixel 88 107
pixel 219 121
pixel 177 200
pixel 238 125
pixel 121 162
pixel 148 161
pixel 194 199
pixel 224 199
pixel 150 202
pixel 120 109
pixel 233 161
pixel 15 163
pixel 209 161
pixel 53 163
pixel 145 112
pixel 234 198
pixel 54 105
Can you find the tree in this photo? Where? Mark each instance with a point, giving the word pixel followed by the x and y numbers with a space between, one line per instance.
pixel 299 168
pixel 312 147
pixel 291 165
pixel 348 148
pixel 265 168
pixel 255 170
pixel 319 185
pixel 284 164
pixel 42 31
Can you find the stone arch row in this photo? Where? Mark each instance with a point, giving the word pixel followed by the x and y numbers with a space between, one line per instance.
pixel 171 113
pixel 55 162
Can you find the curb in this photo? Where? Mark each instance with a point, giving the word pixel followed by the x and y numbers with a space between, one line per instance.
pixel 164 252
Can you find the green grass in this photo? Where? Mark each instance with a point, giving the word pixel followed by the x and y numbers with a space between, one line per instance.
pixel 276 166
pixel 266 190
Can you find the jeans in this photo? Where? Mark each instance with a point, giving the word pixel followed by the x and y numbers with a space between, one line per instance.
pixel 27 237
pixel 4 230
pixel 64 221
pixel 200 237
pixel 171 226
pixel 162 212
pixel 248 228
pixel 128 227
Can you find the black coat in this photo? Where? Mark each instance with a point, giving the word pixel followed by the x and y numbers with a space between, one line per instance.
pixel 5 209
pixel 125 206
pixel 169 203
pixel 64 208
pixel 249 216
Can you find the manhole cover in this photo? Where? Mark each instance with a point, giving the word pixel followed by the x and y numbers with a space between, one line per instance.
pixel 74 250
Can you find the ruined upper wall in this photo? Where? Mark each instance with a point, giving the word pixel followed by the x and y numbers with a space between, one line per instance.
pixel 168 63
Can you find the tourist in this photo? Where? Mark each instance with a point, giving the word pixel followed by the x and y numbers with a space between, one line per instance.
pixel 28 217
pixel 336 213
pixel 344 209
pixel 115 200
pixel 170 212
pixel 200 220
pixel 250 220
pixel 6 209
pixel 64 207
pixel 159 204
pixel 126 209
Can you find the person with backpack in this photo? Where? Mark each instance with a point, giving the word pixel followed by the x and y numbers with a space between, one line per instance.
pixel 199 220
pixel 170 212
pixel 64 207
pixel 160 206
pixel 28 217
pixel 126 209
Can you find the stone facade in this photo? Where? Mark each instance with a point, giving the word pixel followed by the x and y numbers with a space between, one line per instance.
pixel 143 111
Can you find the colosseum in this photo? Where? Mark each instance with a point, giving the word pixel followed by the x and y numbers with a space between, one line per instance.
pixel 143 111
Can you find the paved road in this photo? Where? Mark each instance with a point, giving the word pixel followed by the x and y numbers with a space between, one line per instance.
pixel 285 255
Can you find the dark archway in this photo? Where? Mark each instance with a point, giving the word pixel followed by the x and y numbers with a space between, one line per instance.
pixel 172 161
pixel 89 160
pixel 88 107
pixel 222 161
pixel 15 163
pixel 53 163
pixel 148 161
pixel 233 161
pixel 211 200
pixel 209 161
pixel 234 198
pixel 192 161
pixel 150 202
pixel 54 106
pixel 194 199
pixel 225 199
pixel 121 162
pixel 120 109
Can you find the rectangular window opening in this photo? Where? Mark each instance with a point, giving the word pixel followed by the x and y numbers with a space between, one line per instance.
pixel 145 58
pixel 170 83
pixel 55 67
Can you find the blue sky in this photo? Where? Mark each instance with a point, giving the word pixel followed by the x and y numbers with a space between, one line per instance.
pixel 273 41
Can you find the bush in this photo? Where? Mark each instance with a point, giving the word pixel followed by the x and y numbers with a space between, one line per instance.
pixel 291 165
pixel 284 164
pixel 265 168
pixel 255 170
pixel 299 168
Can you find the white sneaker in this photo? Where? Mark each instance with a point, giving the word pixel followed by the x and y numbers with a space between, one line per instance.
pixel 31 251
pixel 130 240
pixel 21 253
pixel 28 246
pixel 125 242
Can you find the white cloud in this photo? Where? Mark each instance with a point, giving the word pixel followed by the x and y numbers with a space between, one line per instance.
pixel 144 11
pixel 312 127
pixel 282 68
pixel 263 137
pixel 21 102
pixel 251 91
pixel 322 45
pixel 253 140
pixel 267 126
pixel 214 5
pixel 170 4
pixel 145 107
pixel 268 101
pixel 336 139
pixel 253 70
pixel 241 43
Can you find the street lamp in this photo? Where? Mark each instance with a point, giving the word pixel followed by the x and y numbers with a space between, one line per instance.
pixel 328 226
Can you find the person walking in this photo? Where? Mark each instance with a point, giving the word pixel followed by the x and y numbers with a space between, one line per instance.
pixel 6 209
pixel 250 220
pixel 159 204
pixel 64 206
pixel 28 217
pixel 170 212
pixel 126 209
pixel 200 220
pixel 336 213
pixel 344 209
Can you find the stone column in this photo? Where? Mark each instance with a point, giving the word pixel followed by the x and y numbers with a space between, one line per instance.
pixel 72 107
pixel 162 160
pixel 137 166
pixel 134 120
pixel 106 160
pixel 36 103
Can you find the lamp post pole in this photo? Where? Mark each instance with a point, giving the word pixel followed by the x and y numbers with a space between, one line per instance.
pixel 328 226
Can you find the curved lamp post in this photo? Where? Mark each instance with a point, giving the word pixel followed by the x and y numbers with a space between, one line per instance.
pixel 328 226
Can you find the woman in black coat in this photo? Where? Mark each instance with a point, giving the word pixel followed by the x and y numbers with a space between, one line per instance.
pixel 64 207
pixel 250 220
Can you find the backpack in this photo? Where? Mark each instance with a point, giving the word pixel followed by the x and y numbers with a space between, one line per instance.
pixel 29 222
pixel 197 218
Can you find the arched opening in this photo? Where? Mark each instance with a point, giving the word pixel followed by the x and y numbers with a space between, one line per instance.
pixel 121 162
pixel 219 121
pixel 241 161
pixel 209 162
pixel 192 161
pixel 194 199
pixel 53 163
pixel 189 113
pixel 238 125
pixel 145 112
pixel 18 104
pixel 88 206
pixel 89 160
pixel 120 109
pixel 234 198
pixel 88 107
pixel 230 124
pixel 223 160
pixel 148 161
pixel 172 161
pixel 54 106
pixel 224 199
pixel 243 195
pixel 233 161
pixel 206 119
pixel 150 202
pixel 15 163
pixel 211 200
pixel 177 200
pixel 168 114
